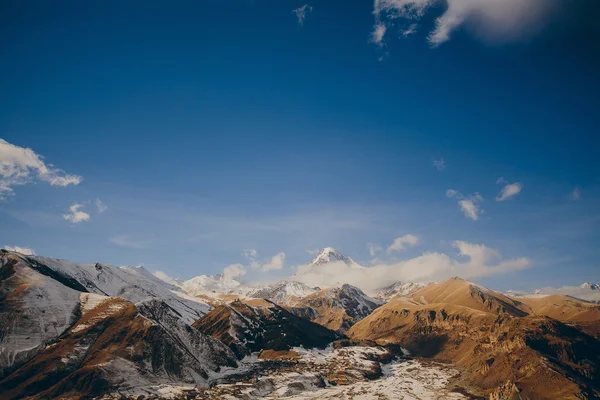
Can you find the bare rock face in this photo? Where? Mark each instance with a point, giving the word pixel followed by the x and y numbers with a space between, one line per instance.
pixel 262 325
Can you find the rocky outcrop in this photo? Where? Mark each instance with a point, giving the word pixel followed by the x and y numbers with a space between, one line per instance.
pixel 262 325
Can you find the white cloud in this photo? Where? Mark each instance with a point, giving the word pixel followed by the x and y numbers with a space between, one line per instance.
pixel 252 256
pixel 100 206
pixel 374 249
pixel 20 166
pixel 313 252
pixel 576 194
pixel 164 277
pixel 440 164
pixel 275 263
pixel 76 215
pixel 509 190
pixel 468 204
pixel 23 250
pixel 301 13
pixel 473 260
pixel 131 242
pixel 378 33
pixel 402 243
pixel 234 271
pixel 470 209
pixel 491 20
pixel 412 29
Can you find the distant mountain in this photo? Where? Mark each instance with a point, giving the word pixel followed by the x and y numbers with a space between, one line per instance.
pixel 210 284
pixel 587 291
pixel 285 293
pixel 398 289
pixel 336 308
pixel 329 254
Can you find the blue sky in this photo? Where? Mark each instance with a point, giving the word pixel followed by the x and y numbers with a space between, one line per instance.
pixel 208 128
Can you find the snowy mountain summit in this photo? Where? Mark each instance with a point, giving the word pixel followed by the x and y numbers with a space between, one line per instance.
pixel 590 286
pixel 284 292
pixel 329 254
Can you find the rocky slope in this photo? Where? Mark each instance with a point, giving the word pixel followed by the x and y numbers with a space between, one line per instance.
pixel 57 338
pixel 257 325
pixel 336 308
pixel 130 283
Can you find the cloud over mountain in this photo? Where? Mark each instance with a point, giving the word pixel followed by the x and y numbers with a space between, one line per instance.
pixel 471 261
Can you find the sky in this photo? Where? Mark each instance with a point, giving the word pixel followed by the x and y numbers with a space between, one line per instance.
pixel 460 136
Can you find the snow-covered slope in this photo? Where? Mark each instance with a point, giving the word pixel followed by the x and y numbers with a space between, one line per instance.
pixel 143 273
pixel 587 291
pixel 287 293
pixel 134 284
pixel 208 285
pixel 329 254
pixel 398 289
pixel 34 309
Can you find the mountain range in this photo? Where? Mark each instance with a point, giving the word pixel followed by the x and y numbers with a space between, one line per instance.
pixel 95 330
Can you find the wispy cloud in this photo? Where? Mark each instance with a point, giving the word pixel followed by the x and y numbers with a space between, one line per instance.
pixel 440 164
pixel 378 33
pixel 234 271
pixel 374 249
pixel 20 166
pixel 75 214
pixel 275 263
pixel 131 242
pixel 251 255
pixel 491 20
pixel 468 204
pixel 576 194
pixel 100 206
pixel 509 190
pixel 403 243
pixel 163 276
pixel 23 250
pixel 301 13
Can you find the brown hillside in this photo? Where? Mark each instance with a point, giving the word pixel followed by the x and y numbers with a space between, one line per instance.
pixel 336 308
pixel 113 345
pixel 457 291
pixel 500 348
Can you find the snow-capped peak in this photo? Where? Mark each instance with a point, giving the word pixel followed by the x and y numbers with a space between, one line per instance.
pixel 590 286
pixel 329 254
pixel 205 284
